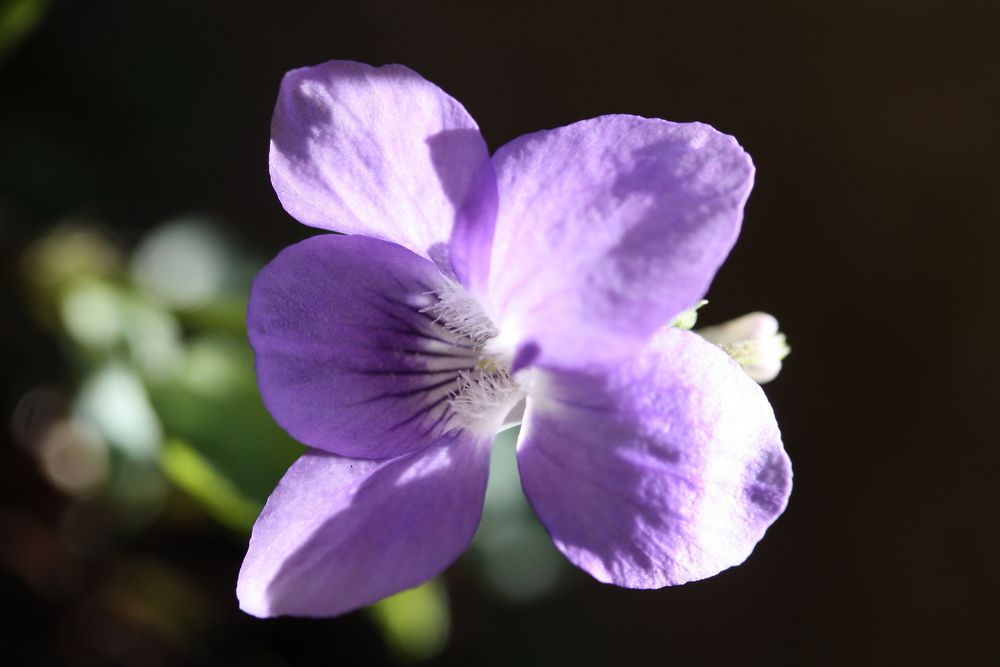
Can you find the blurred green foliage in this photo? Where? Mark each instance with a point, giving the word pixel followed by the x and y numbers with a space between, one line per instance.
pixel 213 404
pixel 415 623
pixel 166 374
pixel 17 19
pixel 186 467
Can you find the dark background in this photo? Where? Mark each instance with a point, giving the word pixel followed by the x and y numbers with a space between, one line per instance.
pixel 872 234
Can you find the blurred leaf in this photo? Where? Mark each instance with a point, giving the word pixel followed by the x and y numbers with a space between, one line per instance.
pixel 416 622
pixel 139 487
pixel 224 314
pixel 190 264
pixel 213 405
pixel 17 19
pixel 183 262
pixel 71 250
pixel 191 472
pixel 92 313
pixel 114 400
pixel 515 553
pixel 69 255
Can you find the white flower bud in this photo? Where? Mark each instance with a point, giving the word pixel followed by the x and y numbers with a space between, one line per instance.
pixel 753 341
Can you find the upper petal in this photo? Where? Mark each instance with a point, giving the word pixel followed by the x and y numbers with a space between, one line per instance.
pixel 664 470
pixel 338 534
pixel 346 361
pixel 385 153
pixel 610 227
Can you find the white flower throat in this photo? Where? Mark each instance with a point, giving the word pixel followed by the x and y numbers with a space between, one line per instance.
pixel 485 390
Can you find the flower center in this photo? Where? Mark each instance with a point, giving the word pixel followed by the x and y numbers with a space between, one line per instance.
pixel 486 391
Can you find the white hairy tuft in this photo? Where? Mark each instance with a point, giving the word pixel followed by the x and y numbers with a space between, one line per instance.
pixel 485 396
pixel 459 312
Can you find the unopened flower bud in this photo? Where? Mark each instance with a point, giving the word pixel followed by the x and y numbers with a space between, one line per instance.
pixel 754 342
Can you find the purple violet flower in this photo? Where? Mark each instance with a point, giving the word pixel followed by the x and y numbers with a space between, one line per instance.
pixel 470 291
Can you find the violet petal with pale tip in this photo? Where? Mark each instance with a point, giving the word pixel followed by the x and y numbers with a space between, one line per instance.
pixel 663 470
pixel 340 533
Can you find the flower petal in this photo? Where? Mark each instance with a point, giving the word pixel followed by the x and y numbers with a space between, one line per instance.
pixel 346 361
pixel 610 227
pixel 665 470
pixel 338 534
pixel 384 153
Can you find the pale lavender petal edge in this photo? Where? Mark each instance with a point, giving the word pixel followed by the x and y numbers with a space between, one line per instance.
pixel 338 534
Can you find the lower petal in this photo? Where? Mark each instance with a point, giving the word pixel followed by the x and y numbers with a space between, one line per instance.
pixel 665 470
pixel 338 534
